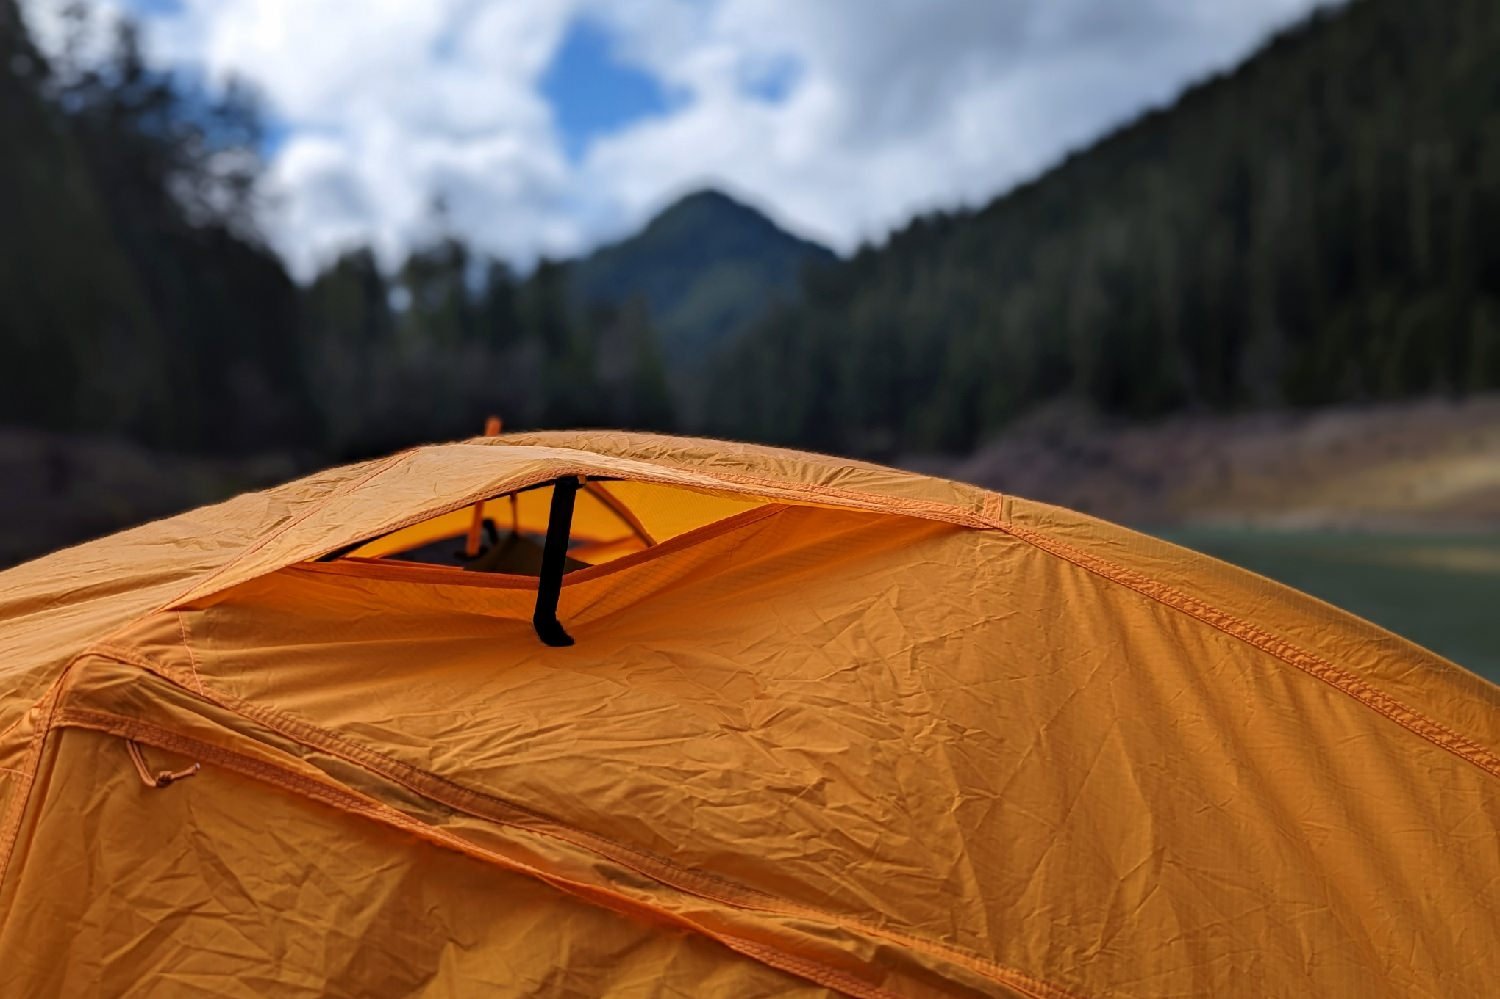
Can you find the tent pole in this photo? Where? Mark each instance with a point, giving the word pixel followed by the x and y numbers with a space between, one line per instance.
pixel 476 523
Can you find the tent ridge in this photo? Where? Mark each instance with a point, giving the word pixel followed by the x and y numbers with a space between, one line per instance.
pixel 1371 697
pixel 984 515
pixel 634 469
pixel 948 513
pixel 379 468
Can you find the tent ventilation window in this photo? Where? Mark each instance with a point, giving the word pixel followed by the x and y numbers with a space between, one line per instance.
pixel 550 529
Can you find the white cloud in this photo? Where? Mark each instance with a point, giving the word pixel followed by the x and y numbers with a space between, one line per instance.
pixel 895 106
pixel 905 106
pixel 390 104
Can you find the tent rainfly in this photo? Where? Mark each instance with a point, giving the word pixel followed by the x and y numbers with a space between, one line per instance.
pixel 705 719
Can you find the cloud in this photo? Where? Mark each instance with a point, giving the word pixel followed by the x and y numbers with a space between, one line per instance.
pixel 388 105
pixel 840 117
pixel 900 107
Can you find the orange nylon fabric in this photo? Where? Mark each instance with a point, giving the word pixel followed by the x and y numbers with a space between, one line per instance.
pixel 855 731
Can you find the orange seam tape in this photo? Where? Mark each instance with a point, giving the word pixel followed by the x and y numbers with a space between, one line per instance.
pixel 1314 665
pixel 10 822
pixel 312 508
pixel 352 803
pixel 470 802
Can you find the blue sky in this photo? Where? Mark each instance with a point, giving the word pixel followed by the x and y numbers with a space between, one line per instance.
pixel 592 92
pixel 156 8
pixel 548 126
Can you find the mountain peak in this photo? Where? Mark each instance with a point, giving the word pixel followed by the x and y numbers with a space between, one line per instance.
pixel 709 206
pixel 707 264
pixel 707 197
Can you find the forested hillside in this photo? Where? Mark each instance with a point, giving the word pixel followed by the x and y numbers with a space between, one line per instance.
pixel 130 298
pixel 450 350
pixel 1315 226
pixel 138 299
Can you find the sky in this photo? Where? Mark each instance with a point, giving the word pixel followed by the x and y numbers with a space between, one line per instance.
pixel 545 127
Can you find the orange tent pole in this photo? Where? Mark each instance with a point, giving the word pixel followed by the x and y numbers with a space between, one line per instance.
pixel 476 524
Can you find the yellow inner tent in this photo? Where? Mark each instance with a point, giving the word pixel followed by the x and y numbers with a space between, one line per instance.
pixel 610 519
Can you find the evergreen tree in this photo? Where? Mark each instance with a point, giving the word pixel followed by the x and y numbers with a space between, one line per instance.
pixel 1307 229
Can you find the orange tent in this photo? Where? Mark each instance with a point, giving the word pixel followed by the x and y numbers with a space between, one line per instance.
pixel 822 727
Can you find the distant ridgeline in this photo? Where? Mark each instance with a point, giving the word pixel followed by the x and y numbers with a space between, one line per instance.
pixel 136 297
pixel 706 266
pixel 590 342
pixel 1316 226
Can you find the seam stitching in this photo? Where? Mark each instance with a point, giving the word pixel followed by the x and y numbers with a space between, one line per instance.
pixel 937 509
pixel 10 820
pixel 192 658
pixel 312 508
pixel 1293 655
pixel 350 801
pixel 468 801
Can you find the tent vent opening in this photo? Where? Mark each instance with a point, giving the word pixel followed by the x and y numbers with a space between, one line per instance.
pixel 550 529
pixel 506 534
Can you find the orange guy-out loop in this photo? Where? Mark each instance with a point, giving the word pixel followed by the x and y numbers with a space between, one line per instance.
pixel 162 777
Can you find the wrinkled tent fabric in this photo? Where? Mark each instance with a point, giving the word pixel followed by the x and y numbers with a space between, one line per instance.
pixel 838 729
